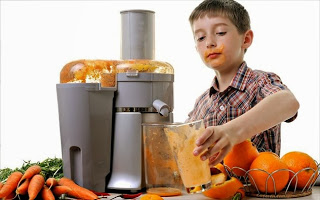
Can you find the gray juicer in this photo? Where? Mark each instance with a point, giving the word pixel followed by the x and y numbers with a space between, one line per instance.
pixel 100 127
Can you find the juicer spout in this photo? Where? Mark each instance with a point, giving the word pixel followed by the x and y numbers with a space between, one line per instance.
pixel 161 107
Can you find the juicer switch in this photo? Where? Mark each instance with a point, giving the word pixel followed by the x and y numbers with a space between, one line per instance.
pixel 132 73
pixel 161 107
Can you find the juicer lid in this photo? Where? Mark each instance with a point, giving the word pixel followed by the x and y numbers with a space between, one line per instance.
pixel 144 66
pixel 92 71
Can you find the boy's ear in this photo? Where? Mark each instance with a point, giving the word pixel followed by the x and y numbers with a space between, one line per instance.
pixel 248 38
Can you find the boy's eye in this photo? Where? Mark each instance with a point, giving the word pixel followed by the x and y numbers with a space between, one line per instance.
pixel 200 38
pixel 221 33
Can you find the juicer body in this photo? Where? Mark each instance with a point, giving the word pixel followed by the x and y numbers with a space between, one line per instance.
pixel 101 128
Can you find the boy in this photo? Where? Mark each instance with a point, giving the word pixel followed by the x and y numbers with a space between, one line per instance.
pixel 241 103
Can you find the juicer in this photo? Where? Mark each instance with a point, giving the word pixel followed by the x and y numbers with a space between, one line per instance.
pixel 103 103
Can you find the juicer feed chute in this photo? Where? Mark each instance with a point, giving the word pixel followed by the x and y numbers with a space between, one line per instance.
pixel 137 34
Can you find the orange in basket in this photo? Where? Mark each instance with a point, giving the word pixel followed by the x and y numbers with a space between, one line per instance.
pixel 241 155
pixel 269 162
pixel 297 161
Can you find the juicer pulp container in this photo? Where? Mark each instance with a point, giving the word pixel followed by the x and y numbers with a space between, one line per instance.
pixel 85 116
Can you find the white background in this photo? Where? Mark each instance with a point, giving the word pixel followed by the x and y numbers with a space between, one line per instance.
pixel 39 38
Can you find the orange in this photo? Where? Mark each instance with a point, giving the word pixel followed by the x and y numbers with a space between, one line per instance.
pixel 220 167
pixel 196 189
pixel 151 197
pixel 218 174
pixel 241 155
pixel 164 191
pixel 224 190
pixel 217 177
pixel 297 161
pixel 269 162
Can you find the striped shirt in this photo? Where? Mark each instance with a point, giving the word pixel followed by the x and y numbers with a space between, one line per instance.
pixel 246 90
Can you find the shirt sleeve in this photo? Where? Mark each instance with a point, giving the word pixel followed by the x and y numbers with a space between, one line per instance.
pixel 271 83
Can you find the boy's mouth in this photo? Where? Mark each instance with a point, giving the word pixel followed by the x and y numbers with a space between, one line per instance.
pixel 214 53
pixel 215 56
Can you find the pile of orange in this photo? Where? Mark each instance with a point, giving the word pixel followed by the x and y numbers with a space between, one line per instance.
pixel 266 171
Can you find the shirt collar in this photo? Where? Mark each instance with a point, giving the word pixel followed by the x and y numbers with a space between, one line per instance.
pixel 238 82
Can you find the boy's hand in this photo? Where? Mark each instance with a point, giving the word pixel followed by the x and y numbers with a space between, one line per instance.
pixel 214 144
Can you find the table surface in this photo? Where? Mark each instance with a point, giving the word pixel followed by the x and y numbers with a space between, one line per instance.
pixel 314 196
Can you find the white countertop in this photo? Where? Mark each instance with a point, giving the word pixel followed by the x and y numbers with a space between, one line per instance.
pixel 314 196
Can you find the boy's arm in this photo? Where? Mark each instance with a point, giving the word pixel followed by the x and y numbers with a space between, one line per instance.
pixel 272 110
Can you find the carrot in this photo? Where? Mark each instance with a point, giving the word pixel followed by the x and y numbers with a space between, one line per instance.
pixel 23 188
pixel 46 193
pixel 60 190
pixel 35 185
pixel 11 184
pixel 30 172
pixel 240 194
pixel 1 184
pixel 12 195
pixel 51 182
pixel 76 190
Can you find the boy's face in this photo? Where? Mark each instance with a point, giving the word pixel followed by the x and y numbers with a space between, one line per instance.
pixel 218 42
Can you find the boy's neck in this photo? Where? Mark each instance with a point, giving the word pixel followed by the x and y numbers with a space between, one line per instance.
pixel 225 77
pixel 224 82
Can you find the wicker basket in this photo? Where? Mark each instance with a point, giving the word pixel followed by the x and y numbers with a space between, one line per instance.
pixel 251 188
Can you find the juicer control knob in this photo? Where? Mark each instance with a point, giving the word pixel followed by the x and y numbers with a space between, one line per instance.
pixel 161 107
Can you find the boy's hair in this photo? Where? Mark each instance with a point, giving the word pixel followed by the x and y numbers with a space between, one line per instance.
pixel 231 9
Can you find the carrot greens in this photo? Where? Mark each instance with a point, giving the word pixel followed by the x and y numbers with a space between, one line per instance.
pixel 50 167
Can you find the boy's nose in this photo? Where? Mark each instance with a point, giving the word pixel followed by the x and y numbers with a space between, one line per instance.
pixel 210 42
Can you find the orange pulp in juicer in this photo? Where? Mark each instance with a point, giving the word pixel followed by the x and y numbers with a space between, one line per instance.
pixel 104 71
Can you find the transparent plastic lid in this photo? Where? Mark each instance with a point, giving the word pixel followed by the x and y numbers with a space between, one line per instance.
pixel 146 66
pixel 104 71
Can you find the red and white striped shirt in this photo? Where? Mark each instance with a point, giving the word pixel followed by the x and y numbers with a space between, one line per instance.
pixel 246 90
